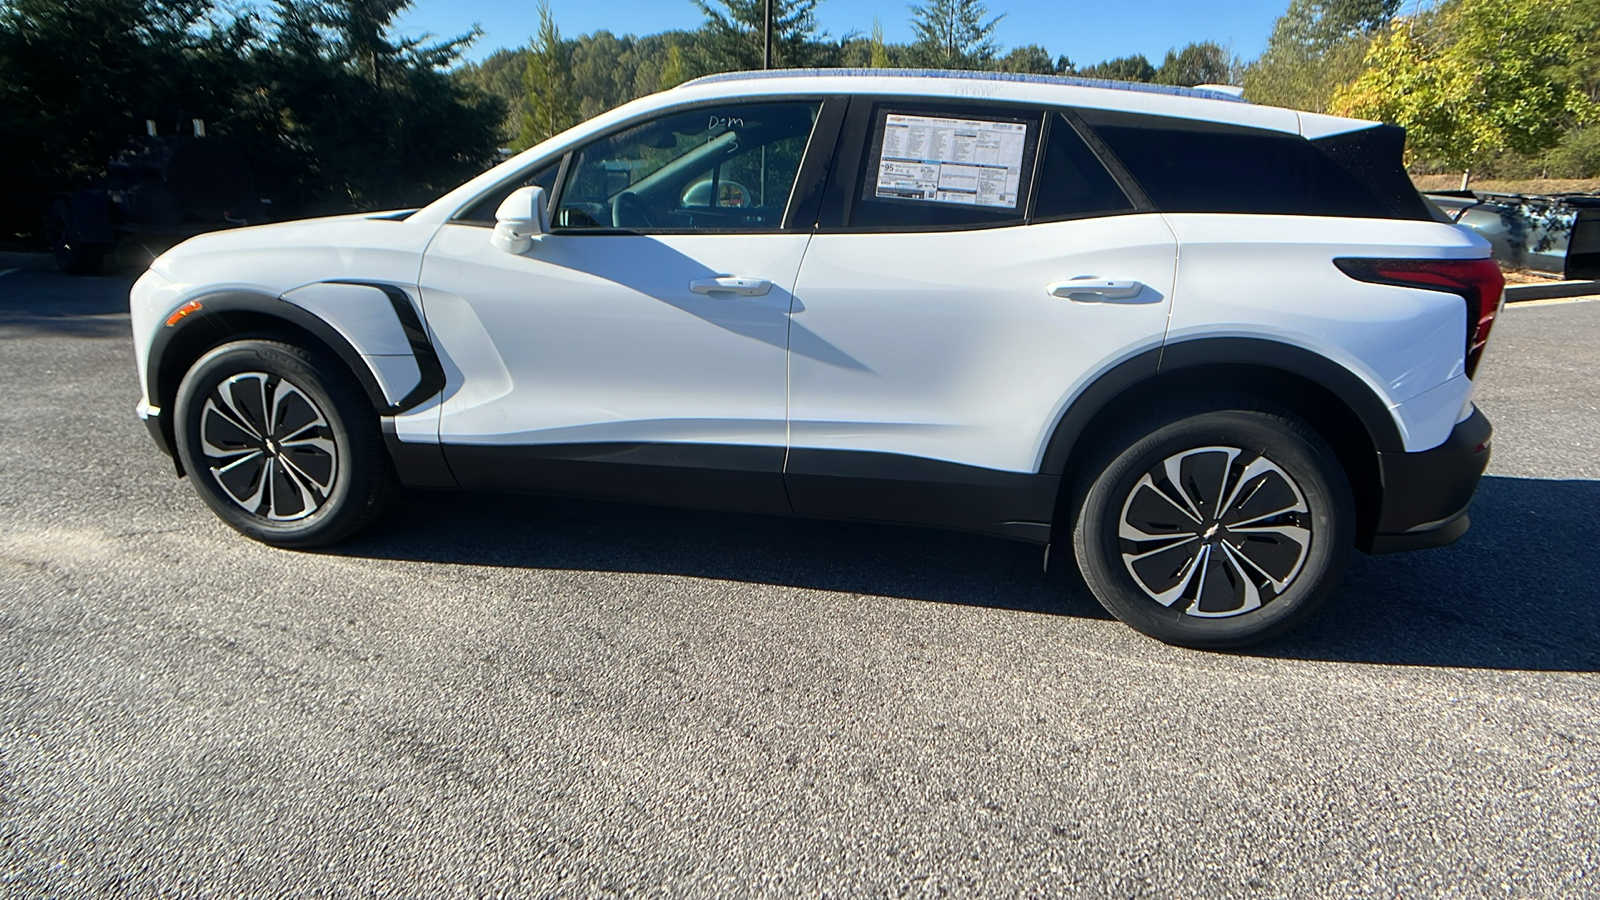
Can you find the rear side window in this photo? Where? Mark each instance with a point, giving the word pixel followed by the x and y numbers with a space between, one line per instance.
pixel 943 167
pixel 1072 180
pixel 1194 166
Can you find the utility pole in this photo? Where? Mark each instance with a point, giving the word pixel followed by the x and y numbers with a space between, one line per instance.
pixel 766 43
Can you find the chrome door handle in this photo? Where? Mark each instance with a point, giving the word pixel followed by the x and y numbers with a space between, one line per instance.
pixel 1089 290
pixel 731 284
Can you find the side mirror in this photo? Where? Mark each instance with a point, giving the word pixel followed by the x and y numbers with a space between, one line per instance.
pixel 520 220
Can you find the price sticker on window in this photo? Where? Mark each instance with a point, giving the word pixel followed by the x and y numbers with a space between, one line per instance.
pixel 968 162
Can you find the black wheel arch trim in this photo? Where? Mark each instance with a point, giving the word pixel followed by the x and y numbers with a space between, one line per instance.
pixel 206 327
pixel 1265 353
pixel 215 306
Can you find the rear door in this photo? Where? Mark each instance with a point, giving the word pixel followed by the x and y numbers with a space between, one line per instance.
pixel 975 267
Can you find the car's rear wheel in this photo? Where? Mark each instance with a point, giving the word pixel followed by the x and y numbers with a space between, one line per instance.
pixel 1214 524
pixel 280 443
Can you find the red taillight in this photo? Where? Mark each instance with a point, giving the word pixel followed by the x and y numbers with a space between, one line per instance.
pixel 1478 281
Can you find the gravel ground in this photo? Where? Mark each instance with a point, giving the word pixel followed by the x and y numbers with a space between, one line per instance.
pixel 502 695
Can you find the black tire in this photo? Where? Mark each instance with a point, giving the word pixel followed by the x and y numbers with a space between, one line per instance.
pixel 282 444
pixel 1159 555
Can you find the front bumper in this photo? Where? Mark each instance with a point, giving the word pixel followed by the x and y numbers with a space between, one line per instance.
pixel 151 417
pixel 1426 495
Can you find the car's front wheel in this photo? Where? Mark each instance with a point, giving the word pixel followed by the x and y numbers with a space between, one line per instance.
pixel 280 443
pixel 1214 524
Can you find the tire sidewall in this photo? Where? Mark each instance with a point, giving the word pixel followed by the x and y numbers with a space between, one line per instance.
pixel 1282 440
pixel 303 370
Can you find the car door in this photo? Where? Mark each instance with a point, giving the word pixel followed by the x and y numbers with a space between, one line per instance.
pixel 960 310
pixel 639 349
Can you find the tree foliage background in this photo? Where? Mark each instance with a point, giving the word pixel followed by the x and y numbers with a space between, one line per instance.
pixel 337 112
pixel 332 110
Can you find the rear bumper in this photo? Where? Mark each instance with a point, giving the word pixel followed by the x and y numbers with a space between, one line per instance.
pixel 1426 495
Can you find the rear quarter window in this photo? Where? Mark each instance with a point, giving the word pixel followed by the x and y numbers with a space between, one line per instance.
pixel 1208 167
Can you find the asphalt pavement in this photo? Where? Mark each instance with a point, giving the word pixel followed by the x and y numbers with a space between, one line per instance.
pixel 490 695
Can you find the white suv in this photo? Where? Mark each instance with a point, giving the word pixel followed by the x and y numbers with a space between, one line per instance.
pixel 1210 346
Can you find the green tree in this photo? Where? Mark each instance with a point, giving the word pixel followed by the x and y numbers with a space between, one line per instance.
pixel 1472 79
pixel 550 106
pixel 1123 68
pixel 499 75
pixel 953 34
pixel 77 80
pixel 673 73
pixel 1030 59
pixel 880 51
pixel 733 34
pixel 364 119
pixel 1205 62
pixel 1316 47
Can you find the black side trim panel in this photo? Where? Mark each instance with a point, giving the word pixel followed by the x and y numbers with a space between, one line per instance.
pixel 1426 494
pixel 1443 536
pixel 697 476
pixel 433 378
pixel 1343 383
pixel 806 200
pixel 847 484
pixel 418 465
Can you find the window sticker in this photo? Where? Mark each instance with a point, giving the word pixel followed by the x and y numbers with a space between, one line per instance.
pixel 968 162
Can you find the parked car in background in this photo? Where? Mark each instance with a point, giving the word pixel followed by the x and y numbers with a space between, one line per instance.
pixel 156 192
pixel 1555 233
pixel 1203 348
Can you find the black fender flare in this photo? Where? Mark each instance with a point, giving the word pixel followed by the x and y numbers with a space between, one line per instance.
pixel 1339 381
pixel 215 307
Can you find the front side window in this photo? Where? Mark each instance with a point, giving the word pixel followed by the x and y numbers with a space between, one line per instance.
pixel 716 168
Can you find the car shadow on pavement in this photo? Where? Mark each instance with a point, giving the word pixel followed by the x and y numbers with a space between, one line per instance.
pixel 1518 592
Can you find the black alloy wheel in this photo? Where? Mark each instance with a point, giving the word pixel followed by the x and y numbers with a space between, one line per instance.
pixel 1214 523
pixel 281 443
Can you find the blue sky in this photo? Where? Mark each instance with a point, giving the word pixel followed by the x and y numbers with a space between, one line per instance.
pixel 1088 32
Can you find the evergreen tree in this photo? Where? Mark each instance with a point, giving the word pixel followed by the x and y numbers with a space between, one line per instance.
pixel 550 107
pixel 1123 68
pixel 673 73
pixel 1030 59
pixel 1205 62
pixel 734 32
pixel 365 119
pixel 952 34
pixel 880 52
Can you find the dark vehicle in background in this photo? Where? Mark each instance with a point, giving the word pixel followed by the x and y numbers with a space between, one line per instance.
pixel 157 192
pixel 1556 233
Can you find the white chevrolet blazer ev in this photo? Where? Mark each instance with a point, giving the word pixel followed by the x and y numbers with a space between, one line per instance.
pixel 1212 347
